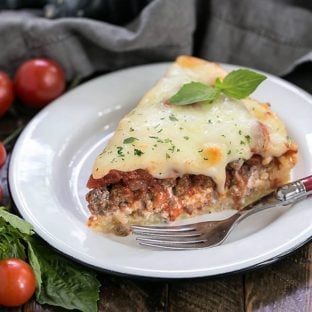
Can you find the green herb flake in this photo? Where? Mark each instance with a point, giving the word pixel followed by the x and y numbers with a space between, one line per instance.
pixel 138 152
pixel 248 138
pixel 131 129
pixel 186 138
pixel 229 152
pixel 240 132
pixel 153 137
pixel 129 140
pixel 120 151
pixel 172 117
pixel 172 149
pixel 167 156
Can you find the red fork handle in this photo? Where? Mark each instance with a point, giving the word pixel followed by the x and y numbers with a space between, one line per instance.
pixel 296 190
pixel 307 182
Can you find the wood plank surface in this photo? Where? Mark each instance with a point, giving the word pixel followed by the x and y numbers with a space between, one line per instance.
pixel 216 295
pixel 122 294
pixel 285 286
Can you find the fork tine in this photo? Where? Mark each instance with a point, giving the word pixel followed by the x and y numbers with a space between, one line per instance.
pixel 173 240
pixel 167 234
pixel 172 246
pixel 163 229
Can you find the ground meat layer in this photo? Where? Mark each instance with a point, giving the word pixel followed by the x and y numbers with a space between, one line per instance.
pixel 123 198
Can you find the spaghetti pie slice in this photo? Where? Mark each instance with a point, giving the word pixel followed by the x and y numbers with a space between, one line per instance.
pixel 166 161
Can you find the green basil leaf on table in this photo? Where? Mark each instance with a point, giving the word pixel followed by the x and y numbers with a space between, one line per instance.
pixel 240 83
pixel 11 243
pixel 59 281
pixel 16 222
pixel 63 282
pixel 33 260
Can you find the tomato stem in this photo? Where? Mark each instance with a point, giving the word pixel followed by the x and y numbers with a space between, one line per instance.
pixel 12 136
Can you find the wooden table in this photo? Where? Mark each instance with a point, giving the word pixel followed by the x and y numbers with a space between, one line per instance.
pixel 282 286
pixel 285 286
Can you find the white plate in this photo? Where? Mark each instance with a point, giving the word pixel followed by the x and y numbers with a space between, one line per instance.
pixel 52 160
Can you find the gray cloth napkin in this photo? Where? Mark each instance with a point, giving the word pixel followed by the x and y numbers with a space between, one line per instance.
pixel 270 35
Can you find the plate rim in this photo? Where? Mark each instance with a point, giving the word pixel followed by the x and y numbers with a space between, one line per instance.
pixel 275 258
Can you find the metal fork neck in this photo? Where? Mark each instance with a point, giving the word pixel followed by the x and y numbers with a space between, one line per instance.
pixel 291 192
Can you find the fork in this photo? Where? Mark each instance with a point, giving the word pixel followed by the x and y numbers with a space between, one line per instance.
pixel 214 233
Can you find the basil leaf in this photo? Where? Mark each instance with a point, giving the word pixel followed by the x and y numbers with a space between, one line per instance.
pixel 61 281
pixel 16 222
pixel 11 244
pixel 33 260
pixel 194 92
pixel 240 83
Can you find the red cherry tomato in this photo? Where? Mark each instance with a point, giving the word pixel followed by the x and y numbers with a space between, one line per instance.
pixel 6 93
pixel 37 82
pixel 18 282
pixel 3 154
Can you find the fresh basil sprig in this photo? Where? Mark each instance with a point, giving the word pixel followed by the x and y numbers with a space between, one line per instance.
pixel 59 281
pixel 238 84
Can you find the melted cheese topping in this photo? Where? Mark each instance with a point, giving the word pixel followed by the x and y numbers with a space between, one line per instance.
pixel 170 140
